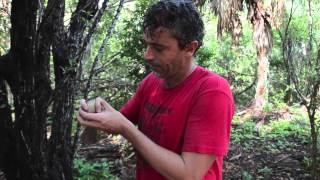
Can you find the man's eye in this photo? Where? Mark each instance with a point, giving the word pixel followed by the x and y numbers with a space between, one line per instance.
pixel 159 49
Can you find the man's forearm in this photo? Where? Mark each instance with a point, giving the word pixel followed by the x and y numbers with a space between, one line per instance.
pixel 167 163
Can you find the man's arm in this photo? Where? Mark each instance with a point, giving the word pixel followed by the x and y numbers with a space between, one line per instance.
pixel 186 166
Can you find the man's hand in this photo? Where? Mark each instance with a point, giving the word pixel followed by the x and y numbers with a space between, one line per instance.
pixel 188 166
pixel 106 117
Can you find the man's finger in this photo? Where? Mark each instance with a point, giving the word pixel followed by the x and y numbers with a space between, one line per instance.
pixel 106 105
pixel 98 104
pixel 89 116
pixel 80 119
pixel 84 105
pixel 86 123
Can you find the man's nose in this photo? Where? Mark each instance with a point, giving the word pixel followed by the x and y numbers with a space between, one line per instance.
pixel 148 54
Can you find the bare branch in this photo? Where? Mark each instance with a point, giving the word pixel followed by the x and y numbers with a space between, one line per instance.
pixel 84 12
pixel 103 46
pixel 97 58
pixel 93 27
pixel 105 65
pixel 247 88
pixel 87 39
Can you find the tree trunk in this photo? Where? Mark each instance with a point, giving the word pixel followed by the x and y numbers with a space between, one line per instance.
pixel 60 153
pixel 30 92
pixel 25 150
pixel 314 127
pixel 287 57
pixel 262 74
pixel 286 44
pixel 262 37
pixel 314 98
pixel 314 145
pixel 7 140
pixel 278 13
pixel 65 57
pixel 236 31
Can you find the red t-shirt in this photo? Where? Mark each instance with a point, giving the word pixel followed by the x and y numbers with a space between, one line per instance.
pixel 194 116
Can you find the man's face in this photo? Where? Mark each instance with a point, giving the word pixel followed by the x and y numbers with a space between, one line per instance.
pixel 163 54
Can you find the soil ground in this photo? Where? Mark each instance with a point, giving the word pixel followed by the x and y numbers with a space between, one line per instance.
pixel 255 158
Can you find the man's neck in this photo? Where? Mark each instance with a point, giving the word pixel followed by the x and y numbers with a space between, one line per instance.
pixel 173 82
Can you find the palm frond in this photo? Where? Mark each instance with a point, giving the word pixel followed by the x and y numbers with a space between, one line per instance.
pixel 226 11
pixel 278 13
pixel 260 19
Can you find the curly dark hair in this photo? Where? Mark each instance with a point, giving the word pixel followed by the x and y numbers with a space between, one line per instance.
pixel 180 17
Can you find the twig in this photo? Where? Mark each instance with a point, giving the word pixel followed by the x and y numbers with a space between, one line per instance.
pixel 283 158
pixel 235 157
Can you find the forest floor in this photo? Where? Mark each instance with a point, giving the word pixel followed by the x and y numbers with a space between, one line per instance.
pixel 275 158
pixel 273 146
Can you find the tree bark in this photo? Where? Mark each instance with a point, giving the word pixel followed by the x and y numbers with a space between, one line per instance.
pixel 25 150
pixel 262 79
pixel 314 127
pixel 7 139
pixel 262 37
pixel 65 57
pixel 286 44
pixel 236 31
pixel 28 92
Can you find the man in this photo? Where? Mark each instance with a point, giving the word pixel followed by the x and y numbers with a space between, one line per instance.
pixel 183 111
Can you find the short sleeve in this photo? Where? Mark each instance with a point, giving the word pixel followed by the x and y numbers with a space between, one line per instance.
pixel 132 107
pixel 208 126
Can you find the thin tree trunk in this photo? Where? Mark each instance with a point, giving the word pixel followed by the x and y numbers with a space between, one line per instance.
pixel 312 110
pixel 314 146
pixel 286 45
pixel 89 135
pixel 314 92
pixel 262 74
pixel 262 37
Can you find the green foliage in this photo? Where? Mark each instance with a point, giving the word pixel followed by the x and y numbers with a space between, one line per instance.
pixel 265 171
pixel 284 128
pixel 84 170
pixel 122 68
pixel 4 29
pixel 238 66
pixel 273 129
pixel 267 107
pixel 131 41
pixel 277 99
pixel 276 137
pixel 303 65
pixel 246 175
pixel 114 80
pixel 243 131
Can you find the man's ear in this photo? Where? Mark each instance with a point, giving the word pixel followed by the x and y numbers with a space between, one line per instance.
pixel 191 47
